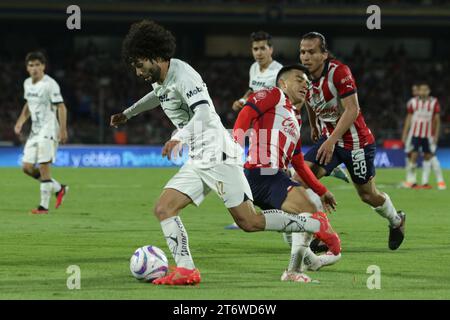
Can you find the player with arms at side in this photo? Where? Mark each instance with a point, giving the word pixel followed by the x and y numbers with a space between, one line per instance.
pixel 45 105
pixel 422 127
pixel 264 70
pixel 410 167
pixel 214 158
pixel 274 144
pixel 345 137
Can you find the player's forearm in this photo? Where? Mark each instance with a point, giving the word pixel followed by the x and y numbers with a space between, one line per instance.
pixel 148 102
pixel 406 127
pixel 307 175
pixel 24 115
pixel 62 116
pixel 348 117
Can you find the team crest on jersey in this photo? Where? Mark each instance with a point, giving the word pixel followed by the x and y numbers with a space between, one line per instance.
pixel 260 95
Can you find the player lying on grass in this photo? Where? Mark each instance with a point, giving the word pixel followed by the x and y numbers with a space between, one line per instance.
pixel 344 138
pixel 214 158
pixel 275 144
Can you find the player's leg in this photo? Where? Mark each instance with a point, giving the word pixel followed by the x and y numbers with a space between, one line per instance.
pixel 46 188
pixel 410 164
pixel 183 189
pixel 426 170
pixel 436 166
pixel 30 170
pixel 298 199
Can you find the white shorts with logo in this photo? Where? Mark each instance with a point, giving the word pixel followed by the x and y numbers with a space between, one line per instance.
pixel 227 180
pixel 40 150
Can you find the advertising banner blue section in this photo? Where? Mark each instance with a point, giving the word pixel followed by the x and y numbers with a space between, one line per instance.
pixel 150 157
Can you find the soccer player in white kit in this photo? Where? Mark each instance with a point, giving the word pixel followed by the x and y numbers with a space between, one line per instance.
pixel 263 72
pixel 45 105
pixel 214 158
pixel 421 128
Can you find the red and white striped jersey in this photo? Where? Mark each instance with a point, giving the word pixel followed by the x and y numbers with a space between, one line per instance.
pixel 423 111
pixel 324 98
pixel 275 138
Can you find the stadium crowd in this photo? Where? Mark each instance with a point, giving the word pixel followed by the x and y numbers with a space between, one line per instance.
pixel 94 86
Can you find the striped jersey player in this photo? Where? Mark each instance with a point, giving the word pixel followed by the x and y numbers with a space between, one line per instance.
pixel 332 101
pixel 421 130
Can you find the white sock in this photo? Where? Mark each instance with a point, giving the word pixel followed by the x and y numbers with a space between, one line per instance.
pixel 437 169
pixel 46 192
pixel 177 240
pixel 56 185
pixel 411 172
pixel 278 220
pixel 426 169
pixel 300 250
pixel 314 197
pixel 387 210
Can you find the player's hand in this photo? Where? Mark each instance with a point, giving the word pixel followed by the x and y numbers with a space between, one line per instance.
pixel 63 136
pixel 237 105
pixel 325 153
pixel 17 128
pixel 117 119
pixel 170 147
pixel 328 201
pixel 315 134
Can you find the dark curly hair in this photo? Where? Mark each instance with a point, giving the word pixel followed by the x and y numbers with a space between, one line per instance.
pixel 147 39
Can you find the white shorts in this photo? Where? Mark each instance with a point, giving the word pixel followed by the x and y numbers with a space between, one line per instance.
pixel 39 151
pixel 227 180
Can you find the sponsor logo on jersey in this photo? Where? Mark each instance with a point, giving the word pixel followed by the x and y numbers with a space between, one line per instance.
pixel 192 93
pixel 258 83
pixel 32 94
pixel 289 127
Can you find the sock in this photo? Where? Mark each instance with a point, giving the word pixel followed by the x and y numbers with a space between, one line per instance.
pixel 46 191
pixel 300 250
pixel 437 169
pixel 278 220
pixel 411 172
pixel 177 240
pixel 387 210
pixel 56 185
pixel 426 167
pixel 314 197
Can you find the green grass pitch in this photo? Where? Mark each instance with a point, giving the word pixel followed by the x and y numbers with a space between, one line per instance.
pixel 108 214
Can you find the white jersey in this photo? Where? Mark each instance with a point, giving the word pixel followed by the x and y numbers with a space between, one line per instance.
pixel 41 98
pixel 264 80
pixel 182 91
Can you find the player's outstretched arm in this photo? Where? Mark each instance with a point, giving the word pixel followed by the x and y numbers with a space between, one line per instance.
pixel 312 123
pixel 62 118
pixel 24 115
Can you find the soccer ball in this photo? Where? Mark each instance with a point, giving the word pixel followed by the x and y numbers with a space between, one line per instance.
pixel 148 263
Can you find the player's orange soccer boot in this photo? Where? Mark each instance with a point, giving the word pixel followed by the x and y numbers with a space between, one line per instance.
pixel 60 195
pixel 180 277
pixel 327 234
pixel 39 210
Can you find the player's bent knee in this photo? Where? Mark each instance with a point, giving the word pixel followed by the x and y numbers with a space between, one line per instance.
pixel 163 211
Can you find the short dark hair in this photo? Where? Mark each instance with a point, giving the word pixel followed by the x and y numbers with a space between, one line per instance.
pixel 35 55
pixel 291 67
pixel 422 83
pixel 261 36
pixel 147 39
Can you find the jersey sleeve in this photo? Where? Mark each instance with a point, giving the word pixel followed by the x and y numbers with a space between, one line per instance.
pixel 343 81
pixel 263 100
pixel 194 91
pixel 24 91
pixel 409 106
pixel 437 107
pixel 55 93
